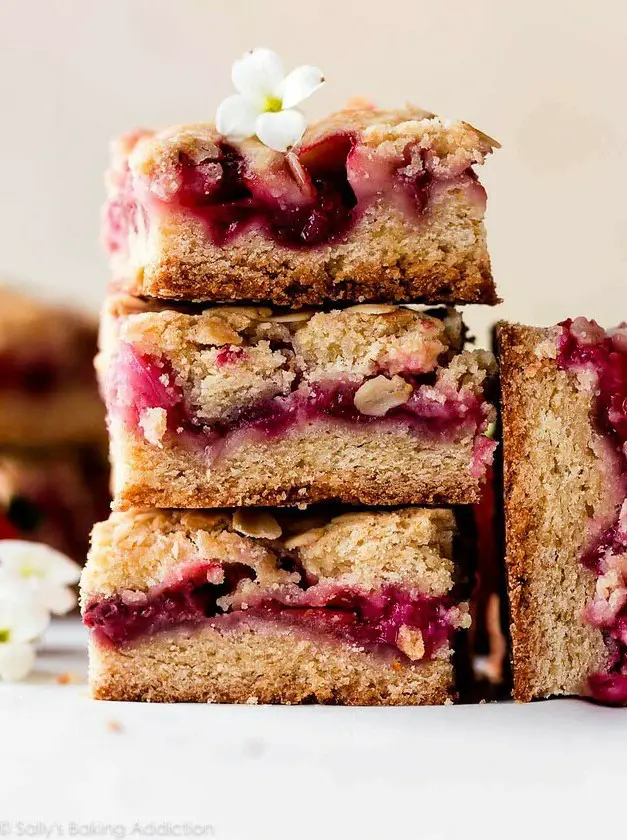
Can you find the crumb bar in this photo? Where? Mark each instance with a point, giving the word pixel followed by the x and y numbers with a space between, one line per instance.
pixel 233 406
pixel 564 397
pixel 259 606
pixel 370 205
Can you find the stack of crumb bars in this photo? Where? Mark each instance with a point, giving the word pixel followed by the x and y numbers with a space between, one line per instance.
pixel 296 427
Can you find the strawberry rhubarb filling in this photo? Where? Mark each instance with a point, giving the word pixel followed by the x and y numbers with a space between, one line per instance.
pixel 390 619
pixel 308 197
pixel 147 396
pixel 600 357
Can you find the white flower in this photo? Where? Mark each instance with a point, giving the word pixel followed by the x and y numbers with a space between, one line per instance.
pixel 21 622
pixel 37 573
pixel 265 103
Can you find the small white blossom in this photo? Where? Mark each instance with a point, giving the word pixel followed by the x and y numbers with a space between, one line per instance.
pixel 36 572
pixel 266 101
pixel 21 622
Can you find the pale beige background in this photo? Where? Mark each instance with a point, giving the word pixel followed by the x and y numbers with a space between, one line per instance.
pixel 546 77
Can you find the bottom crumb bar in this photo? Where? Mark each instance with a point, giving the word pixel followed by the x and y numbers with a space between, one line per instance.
pixel 564 404
pixel 256 607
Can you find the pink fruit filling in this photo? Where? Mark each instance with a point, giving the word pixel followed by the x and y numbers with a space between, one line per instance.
pixel 369 619
pixel 309 197
pixel 137 382
pixel 585 348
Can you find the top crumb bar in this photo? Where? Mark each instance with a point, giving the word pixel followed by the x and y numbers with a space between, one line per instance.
pixel 369 205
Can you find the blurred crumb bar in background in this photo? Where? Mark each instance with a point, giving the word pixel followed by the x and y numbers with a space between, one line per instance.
pixel 369 205
pixel 259 606
pixel 48 391
pixel 53 463
pixel 54 496
pixel 564 418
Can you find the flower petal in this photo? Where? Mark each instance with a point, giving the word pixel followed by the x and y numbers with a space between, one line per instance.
pixel 16 661
pixel 28 559
pixel 280 130
pixel 236 118
pixel 258 74
pixel 24 620
pixel 58 599
pixel 299 85
pixel 14 587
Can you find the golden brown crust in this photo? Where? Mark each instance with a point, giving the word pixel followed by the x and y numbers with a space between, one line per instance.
pixel 206 666
pixel 316 463
pixel 155 152
pixel 556 485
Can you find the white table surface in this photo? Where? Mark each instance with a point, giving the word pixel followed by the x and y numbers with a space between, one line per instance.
pixel 71 766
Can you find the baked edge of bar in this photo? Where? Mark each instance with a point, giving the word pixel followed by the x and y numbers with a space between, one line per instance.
pixel 180 488
pixel 521 360
pixel 398 264
pixel 178 667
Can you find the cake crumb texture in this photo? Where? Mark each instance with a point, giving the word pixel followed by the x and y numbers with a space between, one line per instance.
pixel 205 666
pixel 558 483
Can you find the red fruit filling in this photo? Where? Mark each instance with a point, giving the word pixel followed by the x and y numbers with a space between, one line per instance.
pixel 308 197
pixel 120 212
pixel 369 619
pixel 229 356
pixel 584 347
pixel 137 382
pixel 229 199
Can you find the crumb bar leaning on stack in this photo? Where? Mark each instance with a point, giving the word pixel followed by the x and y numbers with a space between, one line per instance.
pixel 236 374
pixel 564 401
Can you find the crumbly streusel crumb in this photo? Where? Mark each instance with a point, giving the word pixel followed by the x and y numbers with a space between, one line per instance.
pixel 138 549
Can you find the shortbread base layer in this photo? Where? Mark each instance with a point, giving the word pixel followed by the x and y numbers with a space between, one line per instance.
pixel 385 257
pixel 556 482
pixel 318 462
pixel 246 666
pixel 72 415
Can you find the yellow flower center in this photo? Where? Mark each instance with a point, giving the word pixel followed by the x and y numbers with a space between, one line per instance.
pixel 273 104
pixel 5 635
pixel 28 571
